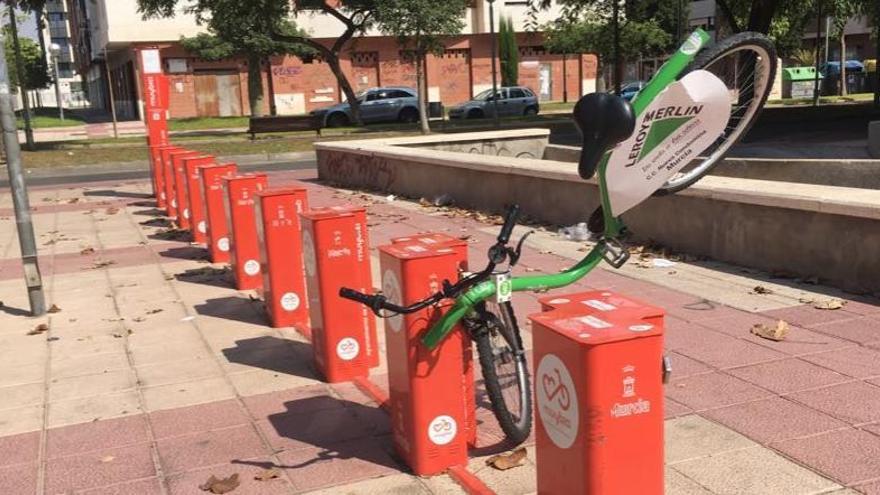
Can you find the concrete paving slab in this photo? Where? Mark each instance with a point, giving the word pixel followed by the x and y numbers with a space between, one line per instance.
pixel 755 470
pixel 693 437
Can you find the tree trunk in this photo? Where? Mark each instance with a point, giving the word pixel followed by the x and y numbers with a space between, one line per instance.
pixel 333 61
pixel 762 14
pixel 273 110
pixel 256 97
pixel 842 64
pixel 423 93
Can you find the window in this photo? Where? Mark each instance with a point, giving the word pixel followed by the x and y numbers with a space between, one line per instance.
pixel 374 96
pixel 397 93
pixel 517 93
pixel 528 92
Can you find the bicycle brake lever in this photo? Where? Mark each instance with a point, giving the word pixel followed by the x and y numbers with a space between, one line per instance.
pixel 516 253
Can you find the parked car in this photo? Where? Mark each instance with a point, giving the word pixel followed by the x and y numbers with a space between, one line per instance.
pixel 512 101
pixel 631 89
pixel 391 104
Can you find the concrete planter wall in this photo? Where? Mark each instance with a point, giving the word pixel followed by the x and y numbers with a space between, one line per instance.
pixel 809 230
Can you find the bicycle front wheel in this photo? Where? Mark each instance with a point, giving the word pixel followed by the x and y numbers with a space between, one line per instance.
pixel 746 62
pixel 505 373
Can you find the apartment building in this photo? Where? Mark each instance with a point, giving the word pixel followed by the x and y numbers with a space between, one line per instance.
pixel 106 34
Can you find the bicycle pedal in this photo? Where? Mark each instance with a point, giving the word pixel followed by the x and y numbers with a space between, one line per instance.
pixel 615 252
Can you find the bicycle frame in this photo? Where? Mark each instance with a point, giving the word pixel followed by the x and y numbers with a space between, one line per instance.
pixel 464 303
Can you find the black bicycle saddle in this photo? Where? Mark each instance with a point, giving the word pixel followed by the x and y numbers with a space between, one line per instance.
pixel 604 120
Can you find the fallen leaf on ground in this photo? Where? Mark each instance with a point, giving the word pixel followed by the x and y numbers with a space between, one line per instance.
pixel 73 200
pixel 111 211
pixel 117 335
pixel 777 333
pixel 42 327
pixel 828 304
pixel 138 319
pixel 268 474
pixel 154 311
pixel 102 264
pixel 54 309
pixel 760 289
pixel 88 250
pixel 504 462
pixel 216 485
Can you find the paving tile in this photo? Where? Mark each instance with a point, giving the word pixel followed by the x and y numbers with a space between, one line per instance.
pixel 754 470
pixel 861 330
pixel 17 396
pixel 99 468
pixel 774 419
pixel 195 368
pixel 857 362
pixel 149 486
pixel 331 426
pixel 871 488
pixel 88 409
pixel 187 483
pixel 208 448
pixel 202 417
pixel 788 375
pixel 723 351
pixel 683 366
pixel 692 437
pixel 300 400
pixel 18 449
pixel 265 381
pixel 22 374
pixel 64 366
pixel 91 385
pixel 679 484
pixel 672 409
pixel 807 316
pixel 96 435
pixel 186 394
pixel 338 464
pixel 20 479
pixel 397 484
pixel 849 456
pixel 711 390
pixel 853 402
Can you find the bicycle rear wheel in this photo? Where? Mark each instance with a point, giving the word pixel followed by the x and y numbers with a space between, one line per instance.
pixel 505 374
pixel 746 62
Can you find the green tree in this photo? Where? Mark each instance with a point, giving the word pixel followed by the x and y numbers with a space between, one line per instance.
pixel 36 70
pixel 265 21
pixel 589 29
pixel 419 26
pixel 508 53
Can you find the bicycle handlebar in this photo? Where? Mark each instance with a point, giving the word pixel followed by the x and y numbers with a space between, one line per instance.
pixel 509 224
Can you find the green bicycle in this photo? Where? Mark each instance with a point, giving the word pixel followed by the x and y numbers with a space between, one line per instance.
pixel 671 135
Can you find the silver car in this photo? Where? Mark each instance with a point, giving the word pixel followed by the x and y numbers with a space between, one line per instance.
pixel 512 101
pixel 391 104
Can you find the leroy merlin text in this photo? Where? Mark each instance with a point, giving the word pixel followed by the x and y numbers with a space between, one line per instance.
pixel 650 117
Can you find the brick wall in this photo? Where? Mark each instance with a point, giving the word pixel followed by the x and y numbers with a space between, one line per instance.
pixel 454 76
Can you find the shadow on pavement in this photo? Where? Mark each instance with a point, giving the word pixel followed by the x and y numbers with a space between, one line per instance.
pixel 216 277
pixel 233 308
pixel 192 253
pixel 14 311
pixel 120 194
pixel 152 212
pixel 342 431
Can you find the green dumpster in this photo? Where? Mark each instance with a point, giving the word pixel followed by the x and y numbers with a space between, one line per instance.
pixel 798 82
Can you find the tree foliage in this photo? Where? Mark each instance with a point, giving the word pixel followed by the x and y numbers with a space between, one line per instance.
pixel 419 27
pixel 586 26
pixel 36 70
pixel 508 53
pixel 267 26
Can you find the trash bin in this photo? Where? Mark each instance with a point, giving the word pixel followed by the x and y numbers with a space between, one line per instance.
pixel 855 78
pixel 435 110
pixel 798 82
pixel 871 73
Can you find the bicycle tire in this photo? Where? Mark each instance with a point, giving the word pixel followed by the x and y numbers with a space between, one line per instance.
pixel 516 427
pixel 759 45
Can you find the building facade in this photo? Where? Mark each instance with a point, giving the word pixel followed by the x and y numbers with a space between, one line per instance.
pixel 56 30
pixel 107 34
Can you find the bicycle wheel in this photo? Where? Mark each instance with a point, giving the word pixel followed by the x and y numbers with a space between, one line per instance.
pixel 505 374
pixel 746 62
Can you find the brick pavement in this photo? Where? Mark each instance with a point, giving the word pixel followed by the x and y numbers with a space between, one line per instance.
pixel 155 374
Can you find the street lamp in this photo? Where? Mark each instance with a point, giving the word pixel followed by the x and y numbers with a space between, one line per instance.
pixel 494 70
pixel 55 50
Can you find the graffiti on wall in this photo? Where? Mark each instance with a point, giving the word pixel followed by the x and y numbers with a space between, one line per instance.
pixel 369 171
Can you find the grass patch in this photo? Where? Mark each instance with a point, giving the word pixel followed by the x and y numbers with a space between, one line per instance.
pixel 45 117
pixel 202 123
